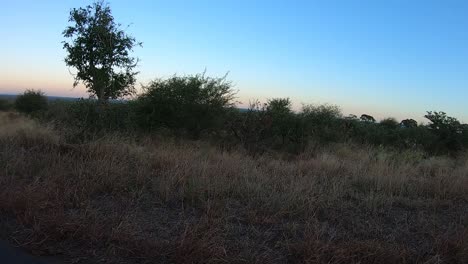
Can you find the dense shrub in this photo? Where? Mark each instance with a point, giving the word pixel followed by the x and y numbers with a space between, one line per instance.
pixel 389 123
pixel 110 116
pixel 323 123
pixel 31 101
pixel 5 105
pixel 409 123
pixel 449 133
pixel 274 125
pixel 282 118
pixel 197 105
pixel 88 118
pixel 251 128
pixel 185 104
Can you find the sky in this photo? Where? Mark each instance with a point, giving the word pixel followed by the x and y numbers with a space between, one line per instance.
pixel 384 58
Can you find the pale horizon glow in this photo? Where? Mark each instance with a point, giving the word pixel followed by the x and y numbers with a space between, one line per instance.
pixel 388 59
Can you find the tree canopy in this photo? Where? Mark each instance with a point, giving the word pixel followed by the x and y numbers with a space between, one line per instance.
pixel 367 118
pixel 99 50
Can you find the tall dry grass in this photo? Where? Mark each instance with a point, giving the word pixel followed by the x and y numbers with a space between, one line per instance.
pixel 118 199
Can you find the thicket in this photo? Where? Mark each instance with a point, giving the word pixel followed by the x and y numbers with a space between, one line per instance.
pixel 31 102
pixel 197 106
pixel 5 104
pixel 187 105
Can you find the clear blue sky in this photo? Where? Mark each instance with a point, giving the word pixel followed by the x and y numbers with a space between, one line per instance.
pixel 385 58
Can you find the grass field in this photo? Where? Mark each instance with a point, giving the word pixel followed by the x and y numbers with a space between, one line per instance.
pixel 156 200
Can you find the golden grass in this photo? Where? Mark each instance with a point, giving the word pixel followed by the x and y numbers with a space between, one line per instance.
pixel 158 201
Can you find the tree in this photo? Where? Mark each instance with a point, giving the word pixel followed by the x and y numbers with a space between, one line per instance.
pixel 448 130
pixel 440 121
pixel 31 101
pixel 409 123
pixel 279 105
pixel 367 118
pixel 351 117
pixel 100 52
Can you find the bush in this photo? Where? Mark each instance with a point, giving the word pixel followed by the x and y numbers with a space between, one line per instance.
pixel 5 105
pixel 197 106
pixel 389 123
pixel 449 132
pixel 31 101
pixel 86 116
pixel 252 128
pixel 281 114
pixel 187 104
pixel 322 122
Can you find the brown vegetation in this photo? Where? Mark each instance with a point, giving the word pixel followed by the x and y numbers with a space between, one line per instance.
pixel 117 199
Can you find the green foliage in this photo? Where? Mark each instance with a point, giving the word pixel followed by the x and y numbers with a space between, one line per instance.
pixel 182 106
pixel 30 102
pixel 418 137
pixel 389 123
pixel 115 116
pixel 448 131
pixel 87 118
pixel 321 115
pixel 100 52
pixel 252 128
pixel 186 104
pixel 322 122
pixel 5 105
pixel 409 123
pixel 367 118
pixel 281 114
pixel 439 121
pixel 196 106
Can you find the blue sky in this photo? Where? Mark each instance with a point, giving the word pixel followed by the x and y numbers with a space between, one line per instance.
pixel 385 58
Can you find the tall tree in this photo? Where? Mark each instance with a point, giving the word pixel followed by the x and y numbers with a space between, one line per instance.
pixel 99 50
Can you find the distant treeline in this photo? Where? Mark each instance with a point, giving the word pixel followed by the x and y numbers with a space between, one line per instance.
pixel 201 107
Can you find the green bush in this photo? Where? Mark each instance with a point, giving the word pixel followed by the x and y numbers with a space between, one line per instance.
pixel 252 128
pixel 85 119
pixel 197 106
pixel 5 105
pixel 282 121
pixel 448 131
pixel 90 115
pixel 31 101
pixel 323 123
pixel 187 104
pixel 389 123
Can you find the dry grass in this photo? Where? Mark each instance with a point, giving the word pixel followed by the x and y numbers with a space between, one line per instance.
pixel 157 201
